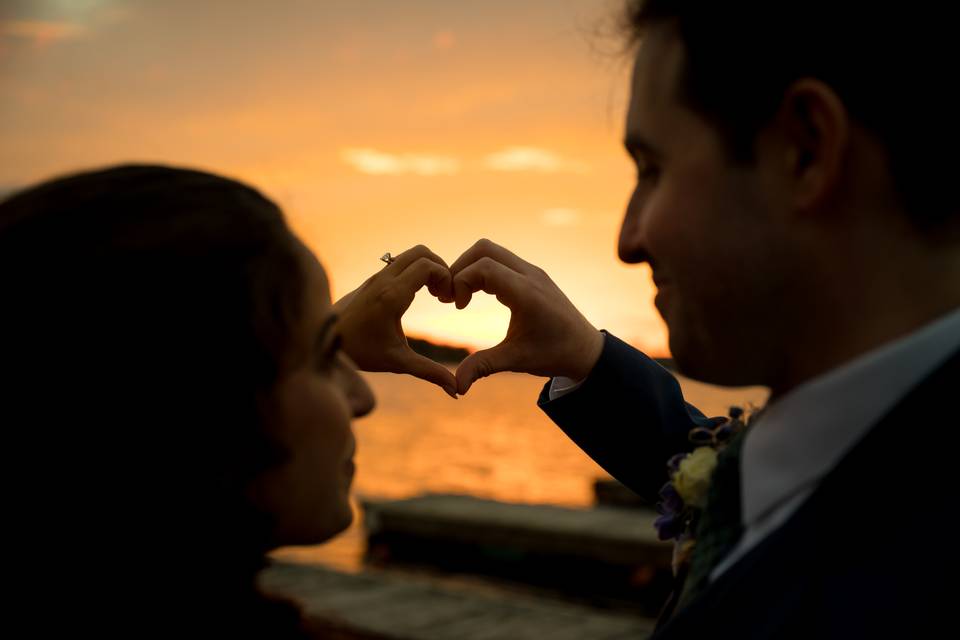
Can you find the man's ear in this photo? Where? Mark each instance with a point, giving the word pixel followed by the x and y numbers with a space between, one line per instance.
pixel 815 127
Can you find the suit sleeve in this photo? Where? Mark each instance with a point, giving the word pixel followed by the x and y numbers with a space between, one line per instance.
pixel 629 415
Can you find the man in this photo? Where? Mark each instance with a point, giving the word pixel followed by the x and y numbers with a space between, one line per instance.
pixel 794 204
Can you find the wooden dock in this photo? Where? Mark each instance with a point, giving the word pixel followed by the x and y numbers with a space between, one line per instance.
pixel 604 534
pixel 377 606
pixel 606 556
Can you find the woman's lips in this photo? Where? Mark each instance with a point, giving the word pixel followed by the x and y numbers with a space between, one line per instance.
pixel 350 467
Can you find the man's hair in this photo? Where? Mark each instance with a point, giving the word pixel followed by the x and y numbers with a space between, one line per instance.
pixel 892 66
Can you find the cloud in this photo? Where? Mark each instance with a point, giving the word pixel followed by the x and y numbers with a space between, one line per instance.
pixel 444 40
pixel 379 163
pixel 533 159
pixel 46 22
pixel 41 32
pixel 560 217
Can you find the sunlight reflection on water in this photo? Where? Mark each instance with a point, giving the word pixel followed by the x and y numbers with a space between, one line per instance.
pixel 493 443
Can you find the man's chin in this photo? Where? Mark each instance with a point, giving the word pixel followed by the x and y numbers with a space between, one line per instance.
pixel 701 362
pixel 705 365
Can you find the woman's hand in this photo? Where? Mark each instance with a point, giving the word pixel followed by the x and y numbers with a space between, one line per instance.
pixel 370 317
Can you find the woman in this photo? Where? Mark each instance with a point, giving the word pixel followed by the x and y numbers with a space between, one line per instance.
pixel 177 401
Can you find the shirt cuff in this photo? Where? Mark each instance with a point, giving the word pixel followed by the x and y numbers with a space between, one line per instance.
pixel 561 386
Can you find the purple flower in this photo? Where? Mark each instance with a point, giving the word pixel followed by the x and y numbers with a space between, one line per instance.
pixel 701 436
pixel 670 524
pixel 670 500
pixel 724 431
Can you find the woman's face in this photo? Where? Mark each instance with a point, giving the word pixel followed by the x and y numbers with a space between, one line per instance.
pixel 309 414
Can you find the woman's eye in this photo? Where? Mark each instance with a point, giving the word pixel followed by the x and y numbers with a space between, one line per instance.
pixel 327 357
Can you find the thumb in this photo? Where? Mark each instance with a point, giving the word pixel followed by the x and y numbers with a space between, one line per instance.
pixel 426 369
pixel 481 364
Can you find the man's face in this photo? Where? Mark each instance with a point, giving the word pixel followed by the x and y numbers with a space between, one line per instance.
pixel 706 226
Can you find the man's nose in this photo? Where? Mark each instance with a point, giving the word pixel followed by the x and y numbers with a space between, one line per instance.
pixel 630 246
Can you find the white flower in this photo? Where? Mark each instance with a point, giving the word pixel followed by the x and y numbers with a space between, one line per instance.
pixel 692 480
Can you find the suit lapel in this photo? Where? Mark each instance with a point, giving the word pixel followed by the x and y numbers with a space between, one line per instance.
pixel 784 574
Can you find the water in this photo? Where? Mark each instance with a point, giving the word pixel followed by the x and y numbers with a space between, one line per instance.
pixel 493 443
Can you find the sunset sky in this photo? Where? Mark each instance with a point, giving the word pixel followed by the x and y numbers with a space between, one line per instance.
pixel 375 124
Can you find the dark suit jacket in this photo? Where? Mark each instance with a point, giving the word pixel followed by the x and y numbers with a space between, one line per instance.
pixel 868 555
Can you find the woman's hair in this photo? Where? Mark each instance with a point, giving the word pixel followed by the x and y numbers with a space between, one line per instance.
pixel 147 313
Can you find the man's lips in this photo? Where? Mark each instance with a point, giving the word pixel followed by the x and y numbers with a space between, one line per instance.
pixel 659 280
pixel 663 286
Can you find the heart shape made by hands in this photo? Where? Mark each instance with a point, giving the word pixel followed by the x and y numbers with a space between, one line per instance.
pixel 546 335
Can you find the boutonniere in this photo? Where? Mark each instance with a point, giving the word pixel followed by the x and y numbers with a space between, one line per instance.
pixel 684 496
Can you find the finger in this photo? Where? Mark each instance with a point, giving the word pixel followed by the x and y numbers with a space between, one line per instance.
pixel 345 301
pixel 425 272
pixel 408 257
pixel 426 369
pixel 490 276
pixel 440 283
pixel 486 249
pixel 481 364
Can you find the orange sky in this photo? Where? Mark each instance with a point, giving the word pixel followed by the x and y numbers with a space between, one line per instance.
pixel 375 124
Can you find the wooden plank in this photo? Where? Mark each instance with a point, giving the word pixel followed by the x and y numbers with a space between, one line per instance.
pixel 603 534
pixel 386 607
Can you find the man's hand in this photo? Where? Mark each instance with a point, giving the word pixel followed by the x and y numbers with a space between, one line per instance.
pixel 547 336
pixel 370 317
